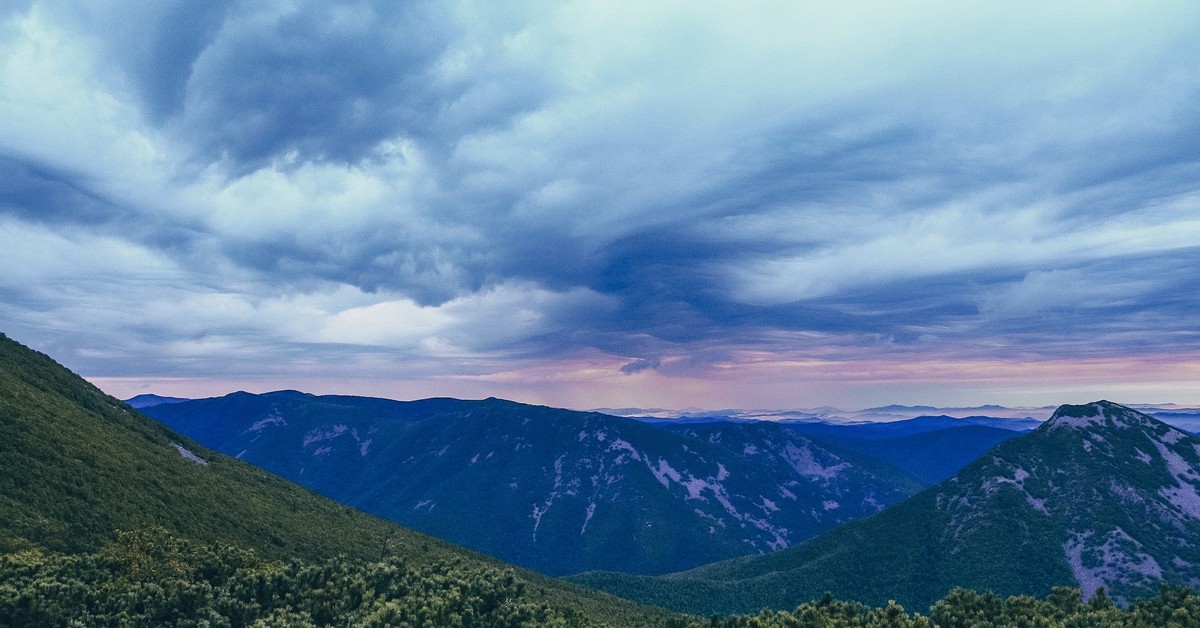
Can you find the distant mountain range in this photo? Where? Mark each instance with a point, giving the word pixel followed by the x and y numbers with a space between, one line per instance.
pixel 1183 417
pixel 882 414
pixel 556 490
pixel 146 401
pixel 1101 495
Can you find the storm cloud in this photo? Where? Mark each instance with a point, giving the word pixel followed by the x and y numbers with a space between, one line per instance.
pixel 605 203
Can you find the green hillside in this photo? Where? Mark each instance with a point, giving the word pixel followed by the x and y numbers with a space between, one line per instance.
pixel 1101 496
pixel 77 467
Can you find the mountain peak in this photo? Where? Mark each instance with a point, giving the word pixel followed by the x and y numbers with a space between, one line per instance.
pixel 1100 496
pixel 1100 414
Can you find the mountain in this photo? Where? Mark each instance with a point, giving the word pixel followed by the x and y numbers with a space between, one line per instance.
pixel 1099 496
pixel 886 414
pixel 82 473
pixel 1188 421
pixel 934 455
pixel 931 448
pixel 146 401
pixel 836 475
pixel 870 430
pixel 555 490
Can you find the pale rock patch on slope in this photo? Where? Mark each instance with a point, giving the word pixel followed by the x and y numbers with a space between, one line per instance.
pixel 1128 494
pixel 1081 422
pixel 559 489
pixel 624 445
pixel 1118 559
pixel 1017 481
pixel 664 473
pixel 327 433
pixel 271 419
pixel 1183 495
pixel 591 510
pixel 187 455
pixel 806 464
pixel 696 487
pixel 1173 436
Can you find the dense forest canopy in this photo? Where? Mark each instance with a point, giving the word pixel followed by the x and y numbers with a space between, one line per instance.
pixel 152 577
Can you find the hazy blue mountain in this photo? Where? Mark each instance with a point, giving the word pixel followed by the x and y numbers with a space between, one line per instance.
pixel 145 401
pixel 1184 420
pixel 935 455
pixel 556 490
pixel 1099 496
pixel 868 430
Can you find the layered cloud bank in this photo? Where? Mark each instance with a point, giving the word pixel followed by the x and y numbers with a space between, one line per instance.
pixel 605 203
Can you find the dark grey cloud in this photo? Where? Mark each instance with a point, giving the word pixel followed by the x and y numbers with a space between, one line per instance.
pixel 156 44
pixel 325 82
pixel 637 366
pixel 43 193
pixel 455 186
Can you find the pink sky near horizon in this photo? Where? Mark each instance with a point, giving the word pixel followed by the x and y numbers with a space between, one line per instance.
pixel 777 385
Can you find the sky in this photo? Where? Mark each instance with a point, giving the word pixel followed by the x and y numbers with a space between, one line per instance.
pixel 603 203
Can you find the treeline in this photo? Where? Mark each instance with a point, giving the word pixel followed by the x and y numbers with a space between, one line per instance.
pixel 154 578
pixel 961 608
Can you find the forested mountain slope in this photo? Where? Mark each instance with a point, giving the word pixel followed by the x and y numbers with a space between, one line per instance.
pixel 1099 496
pixel 77 467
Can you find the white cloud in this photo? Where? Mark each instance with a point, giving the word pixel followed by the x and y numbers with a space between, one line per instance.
pixel 959 239
pixel 59 113
pixel 661 181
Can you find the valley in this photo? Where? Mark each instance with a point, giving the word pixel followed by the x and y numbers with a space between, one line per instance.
pixel 553 490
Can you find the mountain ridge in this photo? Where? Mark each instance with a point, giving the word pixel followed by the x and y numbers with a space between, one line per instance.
pixel 556 490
